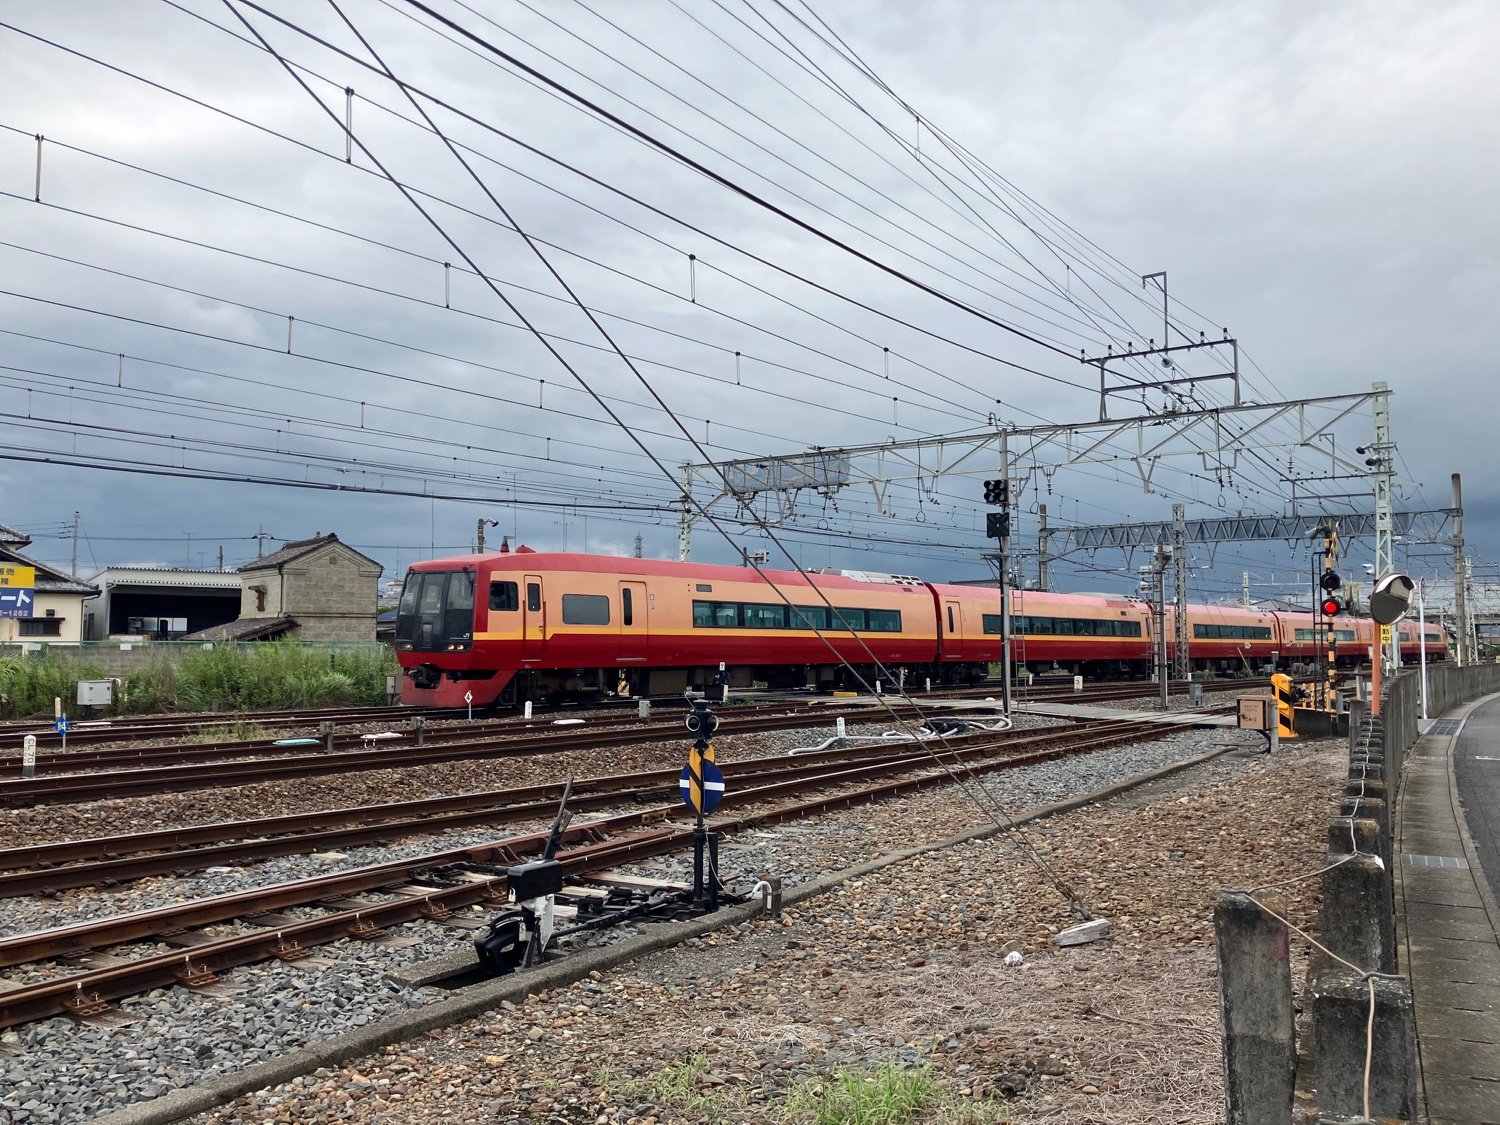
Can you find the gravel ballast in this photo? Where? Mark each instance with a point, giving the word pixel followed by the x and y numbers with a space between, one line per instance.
pixel 597 1051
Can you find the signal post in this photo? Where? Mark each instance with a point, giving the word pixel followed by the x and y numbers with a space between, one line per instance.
pixel 702 786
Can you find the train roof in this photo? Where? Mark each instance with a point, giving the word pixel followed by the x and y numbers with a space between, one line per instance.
pixel 526 560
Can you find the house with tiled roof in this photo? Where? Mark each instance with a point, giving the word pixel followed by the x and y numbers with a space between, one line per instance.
pixel 316 589
pixel 50 610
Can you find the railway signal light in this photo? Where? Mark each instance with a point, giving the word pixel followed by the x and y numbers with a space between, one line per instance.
pixel 1332 607
pixel 997 525
pixel 1331 581
pixel 997 492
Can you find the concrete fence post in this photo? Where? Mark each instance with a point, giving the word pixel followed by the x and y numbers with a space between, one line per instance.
pixel 1358 915
pixel 1255 995
pixel 1358 711
pixel 1341 1012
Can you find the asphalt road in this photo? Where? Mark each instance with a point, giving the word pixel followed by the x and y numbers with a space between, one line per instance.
pixel 1479 785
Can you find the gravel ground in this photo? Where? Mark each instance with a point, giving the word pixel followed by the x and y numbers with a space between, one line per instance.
pixel 942 924
pixel 904 966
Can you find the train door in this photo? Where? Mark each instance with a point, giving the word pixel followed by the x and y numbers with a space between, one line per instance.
pixel 952 626
pixel 533 619
pixel 635 628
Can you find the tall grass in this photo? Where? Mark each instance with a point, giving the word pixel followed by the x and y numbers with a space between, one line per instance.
pixel 148 689
pixel 32 681
pixel 270 676
pixel 278 674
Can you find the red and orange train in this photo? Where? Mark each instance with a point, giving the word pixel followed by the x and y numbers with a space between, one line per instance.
pixel 511 626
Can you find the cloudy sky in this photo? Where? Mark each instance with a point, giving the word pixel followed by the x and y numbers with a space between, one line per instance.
pixel 802 226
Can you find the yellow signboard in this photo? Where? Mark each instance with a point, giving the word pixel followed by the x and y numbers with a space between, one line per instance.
pixel 1385 634
pixel 17 576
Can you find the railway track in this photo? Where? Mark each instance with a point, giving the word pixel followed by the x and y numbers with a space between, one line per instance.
pixel 86 732
pixel 178 767
pixel 435 884
pixel 80 787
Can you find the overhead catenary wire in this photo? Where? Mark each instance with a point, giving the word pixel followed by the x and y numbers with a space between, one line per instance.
pixel 1037 858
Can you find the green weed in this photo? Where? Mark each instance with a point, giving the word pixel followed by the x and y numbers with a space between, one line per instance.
pixel 891 1094
pixel 241 730
pixel 677 1084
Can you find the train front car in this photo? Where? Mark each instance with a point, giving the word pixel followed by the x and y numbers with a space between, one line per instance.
pixel 514 626
pixel 436 637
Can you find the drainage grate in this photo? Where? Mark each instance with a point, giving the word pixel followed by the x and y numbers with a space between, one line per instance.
pixel 1450 861
pixel 1445 727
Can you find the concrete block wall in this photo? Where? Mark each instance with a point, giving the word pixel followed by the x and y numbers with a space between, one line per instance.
pixel 1357 971
pixel 332 593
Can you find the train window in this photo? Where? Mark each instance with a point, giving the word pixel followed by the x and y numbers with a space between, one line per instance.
pixel 627 609
pixel 585 609
pixel 505 596
pixel 848 619
pixel 950 619
pixel 715 615
pixel 461 589
pixel 764 616
pixel 458 618
pixel 410 595
pixel 883 620
pixel 432 595
pixel 991 624
pixel 1234 632
pixel 533 597
pixel 809 617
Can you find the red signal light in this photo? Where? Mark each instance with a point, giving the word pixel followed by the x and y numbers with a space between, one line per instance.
pixel 1331 607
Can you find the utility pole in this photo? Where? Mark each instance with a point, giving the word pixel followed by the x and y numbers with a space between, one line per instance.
pixel 221 558
pixel 1382 455
pixel 479 534
pixel 997 527
pixel 1184 666
pixel 1005 574
pixel 1041 548
pixel 260 538
pixel 1460 575
pixel 1154 583
pixel 74 569
pixel 1245 588
pixel 685 516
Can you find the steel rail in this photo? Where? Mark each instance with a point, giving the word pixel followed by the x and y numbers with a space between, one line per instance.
pixel 158 779
pixel 116 859
pixel 459 885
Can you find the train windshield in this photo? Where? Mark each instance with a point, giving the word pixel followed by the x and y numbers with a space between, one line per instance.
pixel 436 612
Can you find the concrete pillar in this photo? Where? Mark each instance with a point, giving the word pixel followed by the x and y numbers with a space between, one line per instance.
pixel 1341 1009
pixel 1357 916
pixel 1366 808
pixel 1358 711
pixel 1255 994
